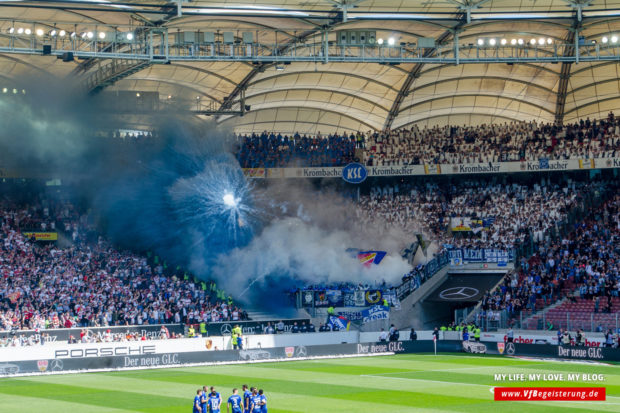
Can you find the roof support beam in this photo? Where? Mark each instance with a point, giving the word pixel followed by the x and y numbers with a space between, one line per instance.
pixel 415 73
pixel 570 49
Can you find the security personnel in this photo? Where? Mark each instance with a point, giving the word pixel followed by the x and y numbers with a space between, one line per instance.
pixel 477 334
pixel 234 341
pixel 331 311
pixel 203 328
pixel 443 328
pixel 191 332
pixel 237 330
pixel 385 302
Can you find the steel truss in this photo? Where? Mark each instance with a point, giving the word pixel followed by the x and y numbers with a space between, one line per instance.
pixel 153 46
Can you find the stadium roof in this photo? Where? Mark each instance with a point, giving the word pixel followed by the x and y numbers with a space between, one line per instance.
pixel 310 97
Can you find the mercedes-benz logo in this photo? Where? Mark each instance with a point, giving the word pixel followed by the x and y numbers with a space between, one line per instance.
pixel 225 329
pixel 301 351
pixel 458 293
pixel 510 349
pixel 57 365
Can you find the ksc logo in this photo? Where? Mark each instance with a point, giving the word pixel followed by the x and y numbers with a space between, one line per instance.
pixel 354 173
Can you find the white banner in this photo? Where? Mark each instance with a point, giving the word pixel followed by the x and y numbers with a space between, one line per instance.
pixel 541 165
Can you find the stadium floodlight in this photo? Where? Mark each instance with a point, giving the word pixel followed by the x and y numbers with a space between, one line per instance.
pixel 492 42
pixel 20 30
pixel 480 42
pixel 503 42
pixel 541 41
pixel 520 41
pixel 169 96
pixel 604 39
pixel 532 42
pixel 73 34
pixel 53 33
pixel 14 91
pixel 39 32
pixel 4 90
pixel 614 39
pixel 138 94
pixel 513 41
pixel 549 40
pixel 28 31
pixel 129 36
pixel 11 30
pixel 279 68
pixel 101 35
pixel 90 35
pixel 391 41
pixel 380 41
pixel 62 33
pixel 229 200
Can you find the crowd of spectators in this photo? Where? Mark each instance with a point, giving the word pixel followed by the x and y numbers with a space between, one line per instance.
pixel 510 141
pixel 89 282
pixel 276 151
pixel 587 260
pixel 513 211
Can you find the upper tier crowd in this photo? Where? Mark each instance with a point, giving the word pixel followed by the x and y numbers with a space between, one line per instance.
pixel 89 282
pixel 515 141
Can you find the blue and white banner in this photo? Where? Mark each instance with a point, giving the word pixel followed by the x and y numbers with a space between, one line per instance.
pixel 461 256
pixel 351 315
pixel 340 322
pixel 392 299
pixel 376 312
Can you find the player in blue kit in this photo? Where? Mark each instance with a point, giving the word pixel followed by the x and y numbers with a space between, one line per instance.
pixel 214 402
pixel 255 401
pixel 247 394
pixel 196 406
pixel 204 396
pixel 235 403
pixel 218 395
pixel 263 401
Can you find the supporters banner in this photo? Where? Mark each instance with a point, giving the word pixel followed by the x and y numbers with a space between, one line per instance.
pixel 373 297
pixel 340 322
pixel 320 299
pixel 460 256
pixel 42 236
pixel 392 299
pixel 360 299
pixel 376 312
pixel 367 258
pixel 539 165
pixel 335 298
pixel 467 225
pixel 587 164
pixel 351 315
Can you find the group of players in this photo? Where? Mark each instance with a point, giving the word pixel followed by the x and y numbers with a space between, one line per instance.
pixel 210 401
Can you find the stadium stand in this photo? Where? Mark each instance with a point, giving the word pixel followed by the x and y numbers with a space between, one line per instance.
pixel 573 281
pixel 514 141
pixel 88 282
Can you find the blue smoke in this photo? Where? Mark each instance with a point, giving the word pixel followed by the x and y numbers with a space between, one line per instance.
pixel 175 198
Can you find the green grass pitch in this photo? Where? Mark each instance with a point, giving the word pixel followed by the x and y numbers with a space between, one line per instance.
pixel 403 383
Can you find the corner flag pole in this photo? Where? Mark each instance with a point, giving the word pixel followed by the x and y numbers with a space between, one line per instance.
pixel 435 343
